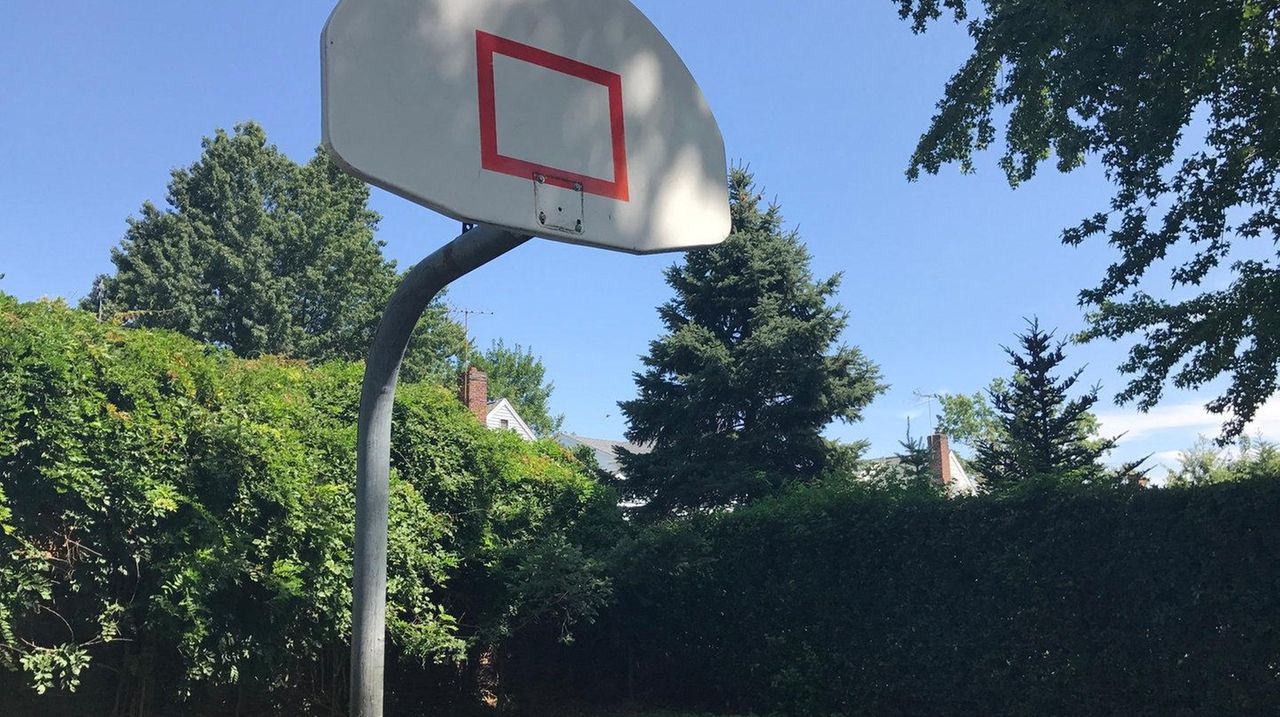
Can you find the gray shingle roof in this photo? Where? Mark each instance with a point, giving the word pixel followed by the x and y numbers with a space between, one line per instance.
pixel 603 447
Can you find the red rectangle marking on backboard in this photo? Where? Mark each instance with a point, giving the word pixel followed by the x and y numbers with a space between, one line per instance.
pixel 488 45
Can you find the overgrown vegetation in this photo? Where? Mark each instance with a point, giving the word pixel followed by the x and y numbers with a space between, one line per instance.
pixel 1206 463
pixel 176 539
pixel 177 525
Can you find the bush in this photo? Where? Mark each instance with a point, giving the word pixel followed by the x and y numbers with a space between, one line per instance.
pixel 1052 600
pixel 177 523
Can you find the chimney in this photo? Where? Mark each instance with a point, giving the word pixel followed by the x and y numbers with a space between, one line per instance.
pixel 940 459
pixel 473 391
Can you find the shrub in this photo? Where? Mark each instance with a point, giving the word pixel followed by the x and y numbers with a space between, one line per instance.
pixel 182 519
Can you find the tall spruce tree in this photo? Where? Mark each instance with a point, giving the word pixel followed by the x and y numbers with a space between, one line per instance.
pixel 261 255
pixel 1044 433
pixel 735 395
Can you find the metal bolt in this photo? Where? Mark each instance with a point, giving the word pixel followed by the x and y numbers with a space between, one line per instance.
pixel 577 186
pixel 540 179
pixel 578 226
pixel 542 217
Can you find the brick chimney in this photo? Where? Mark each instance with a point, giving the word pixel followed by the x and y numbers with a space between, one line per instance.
pixel 473 391
pixel 940 458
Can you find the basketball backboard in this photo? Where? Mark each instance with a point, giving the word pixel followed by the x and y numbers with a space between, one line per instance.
pixel 572 120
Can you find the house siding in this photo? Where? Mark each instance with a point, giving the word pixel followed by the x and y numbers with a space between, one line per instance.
pixel 502 411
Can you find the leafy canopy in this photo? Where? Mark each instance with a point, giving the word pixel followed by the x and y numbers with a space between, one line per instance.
pixel 969 418
pixel 1126 82
pixel 1205 463
pixel 735 394
pixel 261 255
pixel 519 376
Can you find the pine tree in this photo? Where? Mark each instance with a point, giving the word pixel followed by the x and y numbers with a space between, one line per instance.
pixel 1043 432
pixel 916 464
pixel 735 394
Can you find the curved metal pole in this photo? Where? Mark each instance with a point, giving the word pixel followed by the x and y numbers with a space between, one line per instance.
pixel 373 448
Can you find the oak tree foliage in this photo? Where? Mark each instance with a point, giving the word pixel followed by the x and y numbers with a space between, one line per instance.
pixel 1180 101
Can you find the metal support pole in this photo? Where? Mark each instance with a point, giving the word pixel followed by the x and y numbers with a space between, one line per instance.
pixel 470 250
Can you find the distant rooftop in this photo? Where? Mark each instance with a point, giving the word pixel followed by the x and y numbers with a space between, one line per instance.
pixel 604 449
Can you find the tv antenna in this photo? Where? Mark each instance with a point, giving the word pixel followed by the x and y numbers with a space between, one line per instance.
pixel 466 329
pixel 928 399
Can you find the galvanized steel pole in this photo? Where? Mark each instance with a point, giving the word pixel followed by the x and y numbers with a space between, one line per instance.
pixel 470 250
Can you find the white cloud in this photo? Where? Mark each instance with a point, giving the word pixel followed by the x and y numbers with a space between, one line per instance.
pixel 1184 417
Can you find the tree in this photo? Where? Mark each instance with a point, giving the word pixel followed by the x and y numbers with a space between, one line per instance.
pixel 175 522
pixel 1125 81
pixel 1200 464
pixel 1042 431
pixel 735 394
pixel 969 418
pixel 1206 463
pixel 259 255
pixel 915 461
pixel 518 376
pixel 435 346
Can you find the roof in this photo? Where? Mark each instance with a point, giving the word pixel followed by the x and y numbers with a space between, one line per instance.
pixel 502 407
pixel 604 449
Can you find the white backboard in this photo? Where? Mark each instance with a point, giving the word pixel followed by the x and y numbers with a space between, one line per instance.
pixel 572 120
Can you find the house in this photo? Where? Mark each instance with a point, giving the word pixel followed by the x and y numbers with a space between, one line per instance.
pixel 501 415
pixel 605 450
pixel 945 468
pixel 498 415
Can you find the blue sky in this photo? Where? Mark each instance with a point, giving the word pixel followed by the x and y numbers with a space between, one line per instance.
pixel 823 99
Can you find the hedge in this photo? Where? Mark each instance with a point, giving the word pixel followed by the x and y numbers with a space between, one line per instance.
pixel 1051 601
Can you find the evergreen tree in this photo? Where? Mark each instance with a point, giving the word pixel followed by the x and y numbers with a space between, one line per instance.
pixel 735 394
pixel 1043 432
pixel 914 459
pixel 262 256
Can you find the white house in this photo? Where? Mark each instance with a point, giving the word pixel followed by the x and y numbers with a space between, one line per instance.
pixel 945 468
pixel 499 415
